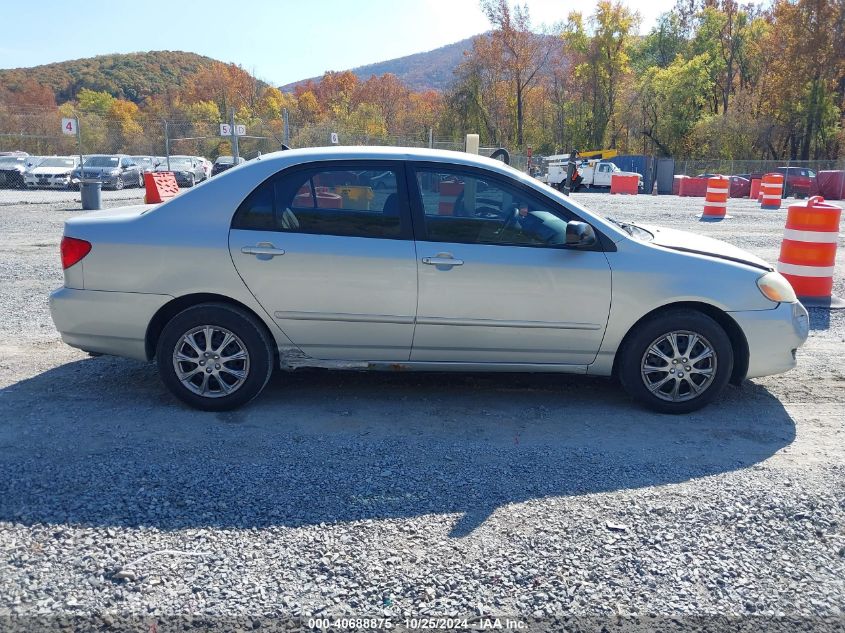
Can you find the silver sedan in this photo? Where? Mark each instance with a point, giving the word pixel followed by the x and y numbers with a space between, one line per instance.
pixel 457 263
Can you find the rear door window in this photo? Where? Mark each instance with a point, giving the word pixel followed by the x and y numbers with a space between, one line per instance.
pixel 354 200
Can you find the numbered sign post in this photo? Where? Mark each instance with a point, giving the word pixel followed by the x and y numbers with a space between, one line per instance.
pixel 334 138
pixel 70 126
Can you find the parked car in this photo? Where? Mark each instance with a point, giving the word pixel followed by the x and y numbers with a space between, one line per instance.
pixel 740 186
pixel 12 169
pixel 113 170
pixel 383 180
pixel 188 170
pixel 207 166
pixel 293 275
pixel 222 163
pixel 147 164
pixel 799 182
pixel 52 172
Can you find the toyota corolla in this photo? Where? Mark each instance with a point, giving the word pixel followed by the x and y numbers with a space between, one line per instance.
pixel 457 263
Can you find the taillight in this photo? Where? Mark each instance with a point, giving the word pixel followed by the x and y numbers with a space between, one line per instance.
pixel 73 250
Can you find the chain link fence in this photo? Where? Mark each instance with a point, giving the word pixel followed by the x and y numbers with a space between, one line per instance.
pixel 33 134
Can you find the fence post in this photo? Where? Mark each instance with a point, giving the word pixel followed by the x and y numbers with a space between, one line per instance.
pixel 286 129
pixel 234 141
pixel 430 138
pixel 167 144
pixel 79 146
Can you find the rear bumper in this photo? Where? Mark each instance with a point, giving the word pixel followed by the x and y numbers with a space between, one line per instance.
pixel 773 336
pixel 105 322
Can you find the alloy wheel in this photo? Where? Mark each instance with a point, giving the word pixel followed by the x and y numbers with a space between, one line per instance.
pixel 678 366
pixel 211 361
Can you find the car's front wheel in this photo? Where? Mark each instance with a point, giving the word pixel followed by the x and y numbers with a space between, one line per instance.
pixel 214 357
pixel 676 362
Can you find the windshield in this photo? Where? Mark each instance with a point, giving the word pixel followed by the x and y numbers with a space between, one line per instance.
pixel 142 160
pixel 9 161
pixel 102 161
pixel 180 163
pixel 57 162
pixel 224 160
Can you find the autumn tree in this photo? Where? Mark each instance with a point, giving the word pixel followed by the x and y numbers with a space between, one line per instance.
pixel 227 85
pixel 806 72
pixel 523 53
pixel 605 53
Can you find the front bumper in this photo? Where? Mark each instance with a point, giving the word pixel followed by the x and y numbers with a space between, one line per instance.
pixel 61 182
pixel 105 322
pixel 773 337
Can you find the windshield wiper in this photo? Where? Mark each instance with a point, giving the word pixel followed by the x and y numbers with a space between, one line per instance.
pixel 628 228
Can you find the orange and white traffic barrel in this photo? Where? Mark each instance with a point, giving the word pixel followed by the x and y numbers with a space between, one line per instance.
pixel 716 198
pixel 808 251
pixel 449 192
pixel 771 190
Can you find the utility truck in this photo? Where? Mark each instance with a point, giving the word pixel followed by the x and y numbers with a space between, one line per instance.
pixel 591 173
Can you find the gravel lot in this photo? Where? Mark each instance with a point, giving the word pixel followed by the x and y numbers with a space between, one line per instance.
pixel 393 495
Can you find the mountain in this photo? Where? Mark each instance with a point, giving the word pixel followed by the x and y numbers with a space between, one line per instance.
pixel 420 71
pixel 132 76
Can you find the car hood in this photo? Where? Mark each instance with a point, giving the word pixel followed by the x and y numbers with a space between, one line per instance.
pixel 97 170
pixel 687 242
pixel 50 171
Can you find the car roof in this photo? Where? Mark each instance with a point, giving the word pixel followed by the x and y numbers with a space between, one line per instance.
pixel 374 152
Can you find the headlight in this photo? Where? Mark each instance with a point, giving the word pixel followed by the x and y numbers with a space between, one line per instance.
pixel 775 287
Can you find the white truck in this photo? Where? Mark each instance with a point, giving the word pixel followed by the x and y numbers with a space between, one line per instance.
pixel 593 174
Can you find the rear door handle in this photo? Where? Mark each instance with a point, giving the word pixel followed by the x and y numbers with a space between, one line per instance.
pixel 264 248
pixel 442 259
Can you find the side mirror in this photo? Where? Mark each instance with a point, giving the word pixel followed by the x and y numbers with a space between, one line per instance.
pixel 580 234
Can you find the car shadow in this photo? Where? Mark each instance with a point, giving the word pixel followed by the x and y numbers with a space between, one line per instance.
pixel 100 442
pixel 819 318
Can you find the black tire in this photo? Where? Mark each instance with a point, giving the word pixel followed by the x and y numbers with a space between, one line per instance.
pixel 192 180
pixel 140 180
pixel 118 183
pixel 251 335
pixel 685 322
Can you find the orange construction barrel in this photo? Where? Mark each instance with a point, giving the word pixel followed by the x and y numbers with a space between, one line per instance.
pixel 808 251
pixel 772 190
pixel 449 192
pixel 716 198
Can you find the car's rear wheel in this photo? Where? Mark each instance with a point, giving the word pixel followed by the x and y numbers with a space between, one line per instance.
pixel 676 362
pixel 214 357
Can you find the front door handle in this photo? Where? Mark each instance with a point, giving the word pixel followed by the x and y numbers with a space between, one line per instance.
pixel 262 248
pixel 442 259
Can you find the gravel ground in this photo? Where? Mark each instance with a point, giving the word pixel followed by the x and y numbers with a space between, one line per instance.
pixel 19 197
pixel 551 499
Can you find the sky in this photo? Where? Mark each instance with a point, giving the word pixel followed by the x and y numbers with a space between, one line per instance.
pixel 280 42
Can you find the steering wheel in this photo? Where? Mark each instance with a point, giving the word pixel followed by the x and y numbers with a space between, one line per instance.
pixel 510 220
